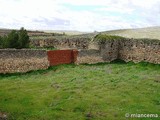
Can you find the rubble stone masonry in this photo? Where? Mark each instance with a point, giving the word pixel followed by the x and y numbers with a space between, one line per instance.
pixel 12 60
pixel 136 50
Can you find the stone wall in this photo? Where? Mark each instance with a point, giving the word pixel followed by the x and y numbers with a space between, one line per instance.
pixel 138 50
pixel 89 56
pixel 109 50
pixel 104 52
pixel 62 43
pixel 24 60
pixel 135 50
pixel 12 60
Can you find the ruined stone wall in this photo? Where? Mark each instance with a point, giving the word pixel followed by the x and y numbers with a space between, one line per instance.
pixel 90 56
pixel 109 50
pixel 105 52
pixel 62 43
pixel 12 60
pixel 136 50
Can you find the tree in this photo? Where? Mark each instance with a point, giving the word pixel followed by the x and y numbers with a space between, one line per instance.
pixel 15 39
pixel 12 40
pixel 23 38
pixel 1 42
pixel 4 41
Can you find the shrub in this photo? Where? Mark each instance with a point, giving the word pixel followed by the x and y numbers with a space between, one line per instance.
pixel 15 39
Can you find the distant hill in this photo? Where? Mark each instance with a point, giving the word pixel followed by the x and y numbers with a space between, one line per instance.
pixel 68 32
pixel 44 33
pixel 4 31
pixel 149 32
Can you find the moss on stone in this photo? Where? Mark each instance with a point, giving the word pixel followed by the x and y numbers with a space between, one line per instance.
pixel 102 38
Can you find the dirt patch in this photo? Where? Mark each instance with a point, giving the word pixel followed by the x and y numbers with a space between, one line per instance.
pixel 3 116
pixel 157 80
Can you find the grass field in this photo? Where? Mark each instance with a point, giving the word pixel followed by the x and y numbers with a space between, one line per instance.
pixel 83 92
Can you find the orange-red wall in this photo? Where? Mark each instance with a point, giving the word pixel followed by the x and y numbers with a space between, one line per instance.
pixel 57 57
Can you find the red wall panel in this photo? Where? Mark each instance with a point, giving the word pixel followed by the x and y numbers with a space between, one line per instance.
pixel 57 57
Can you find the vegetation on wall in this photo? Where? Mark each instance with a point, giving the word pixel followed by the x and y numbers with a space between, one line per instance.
pixel 101 38
pixel 15 39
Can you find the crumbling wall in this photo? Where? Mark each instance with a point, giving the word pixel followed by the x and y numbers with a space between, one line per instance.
pixel 109 50
pixel 136 50
pixel 106 51
pixel 89 56
pixel 62 43
pixel 13 60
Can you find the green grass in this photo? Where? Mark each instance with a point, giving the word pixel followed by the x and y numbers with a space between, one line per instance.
pixel 83 92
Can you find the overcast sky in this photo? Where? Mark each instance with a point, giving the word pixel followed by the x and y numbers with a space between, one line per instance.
pixel 81 15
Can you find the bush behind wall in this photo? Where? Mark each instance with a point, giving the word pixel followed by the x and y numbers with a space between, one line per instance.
pixel 15 39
